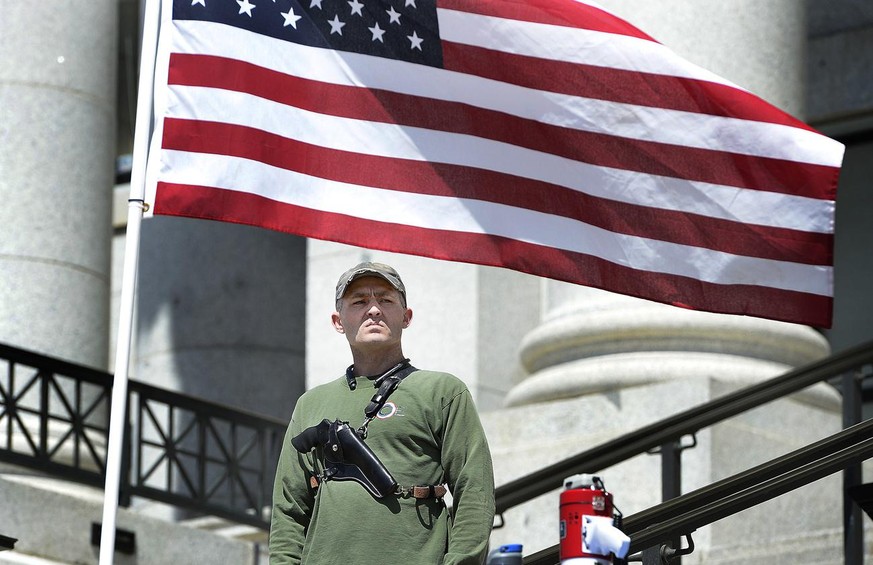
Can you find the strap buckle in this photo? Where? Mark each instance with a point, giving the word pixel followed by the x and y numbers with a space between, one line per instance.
pixel 423 492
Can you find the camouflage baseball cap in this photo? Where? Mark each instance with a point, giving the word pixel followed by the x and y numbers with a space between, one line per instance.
pixel 369 269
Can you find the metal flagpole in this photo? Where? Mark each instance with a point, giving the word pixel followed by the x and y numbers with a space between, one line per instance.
pixel 136 208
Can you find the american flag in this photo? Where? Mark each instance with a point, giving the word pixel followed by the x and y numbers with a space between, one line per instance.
pixel 545 136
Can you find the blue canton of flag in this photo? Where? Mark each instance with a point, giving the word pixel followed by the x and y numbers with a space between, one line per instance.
pixel 406 30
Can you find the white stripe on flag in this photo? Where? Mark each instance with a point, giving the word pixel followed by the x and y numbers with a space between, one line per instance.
pixel 582 46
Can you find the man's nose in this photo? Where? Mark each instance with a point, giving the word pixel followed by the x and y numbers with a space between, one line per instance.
pixel 374 309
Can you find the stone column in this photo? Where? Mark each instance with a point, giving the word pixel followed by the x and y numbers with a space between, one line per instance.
pixel 602 365
pixel 592 341
pixel 57 152
pixel 57 155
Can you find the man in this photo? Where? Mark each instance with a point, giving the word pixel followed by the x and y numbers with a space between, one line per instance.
pixel 427 433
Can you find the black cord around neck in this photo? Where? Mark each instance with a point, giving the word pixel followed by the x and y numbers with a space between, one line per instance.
pixel 353 383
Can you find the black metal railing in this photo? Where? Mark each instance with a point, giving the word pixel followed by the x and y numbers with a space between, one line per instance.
pixel 197 455
pixel 204 456
pixel 678 517
pixel 686 513
pixel 53 415
pixel 666 434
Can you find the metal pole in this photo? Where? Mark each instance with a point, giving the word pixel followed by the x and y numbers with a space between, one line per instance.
pixel 671 479
pixel 136 208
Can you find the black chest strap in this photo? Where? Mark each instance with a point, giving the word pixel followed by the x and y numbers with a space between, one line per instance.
pixel 387 383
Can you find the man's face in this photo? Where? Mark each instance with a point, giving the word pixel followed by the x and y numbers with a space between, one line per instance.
pixel 371 314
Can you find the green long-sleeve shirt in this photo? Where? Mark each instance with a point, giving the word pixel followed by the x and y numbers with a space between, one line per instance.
pixel 428 433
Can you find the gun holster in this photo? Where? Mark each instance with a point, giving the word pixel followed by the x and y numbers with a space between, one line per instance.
pixel 346 457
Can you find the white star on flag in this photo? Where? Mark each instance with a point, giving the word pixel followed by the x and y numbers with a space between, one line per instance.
pixel 336 26
pixel 245 6
pixel 415 40
pixel 377 33
pixel 356 7
pixel 315 4
pixel 394 15
pixel 201 2
pixel 290 18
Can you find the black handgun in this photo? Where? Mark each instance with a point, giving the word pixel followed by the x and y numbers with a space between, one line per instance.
pixel 346 457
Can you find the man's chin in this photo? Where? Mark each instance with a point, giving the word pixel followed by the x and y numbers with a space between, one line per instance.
pixel 376 341
pixel 373 337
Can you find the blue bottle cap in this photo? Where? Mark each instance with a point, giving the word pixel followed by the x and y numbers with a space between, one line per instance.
pixel 511 548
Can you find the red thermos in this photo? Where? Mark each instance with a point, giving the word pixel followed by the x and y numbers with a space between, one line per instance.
pixel 586 517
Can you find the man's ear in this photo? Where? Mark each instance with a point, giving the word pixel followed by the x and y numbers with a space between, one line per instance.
pixel 407 318
pixel 337 323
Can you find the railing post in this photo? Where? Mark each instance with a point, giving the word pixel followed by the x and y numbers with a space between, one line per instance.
pixel 853 525
pixel 44 395
pixel 671 480
pixel 671 470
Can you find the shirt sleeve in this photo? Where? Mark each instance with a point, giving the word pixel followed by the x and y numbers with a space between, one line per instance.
pixel 293 500
pixel 467 465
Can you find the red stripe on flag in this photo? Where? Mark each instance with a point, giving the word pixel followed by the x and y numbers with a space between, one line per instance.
pixel 616 85
pixel 470 183
pixel 553 12
pixel 231 206
pixel 730 169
